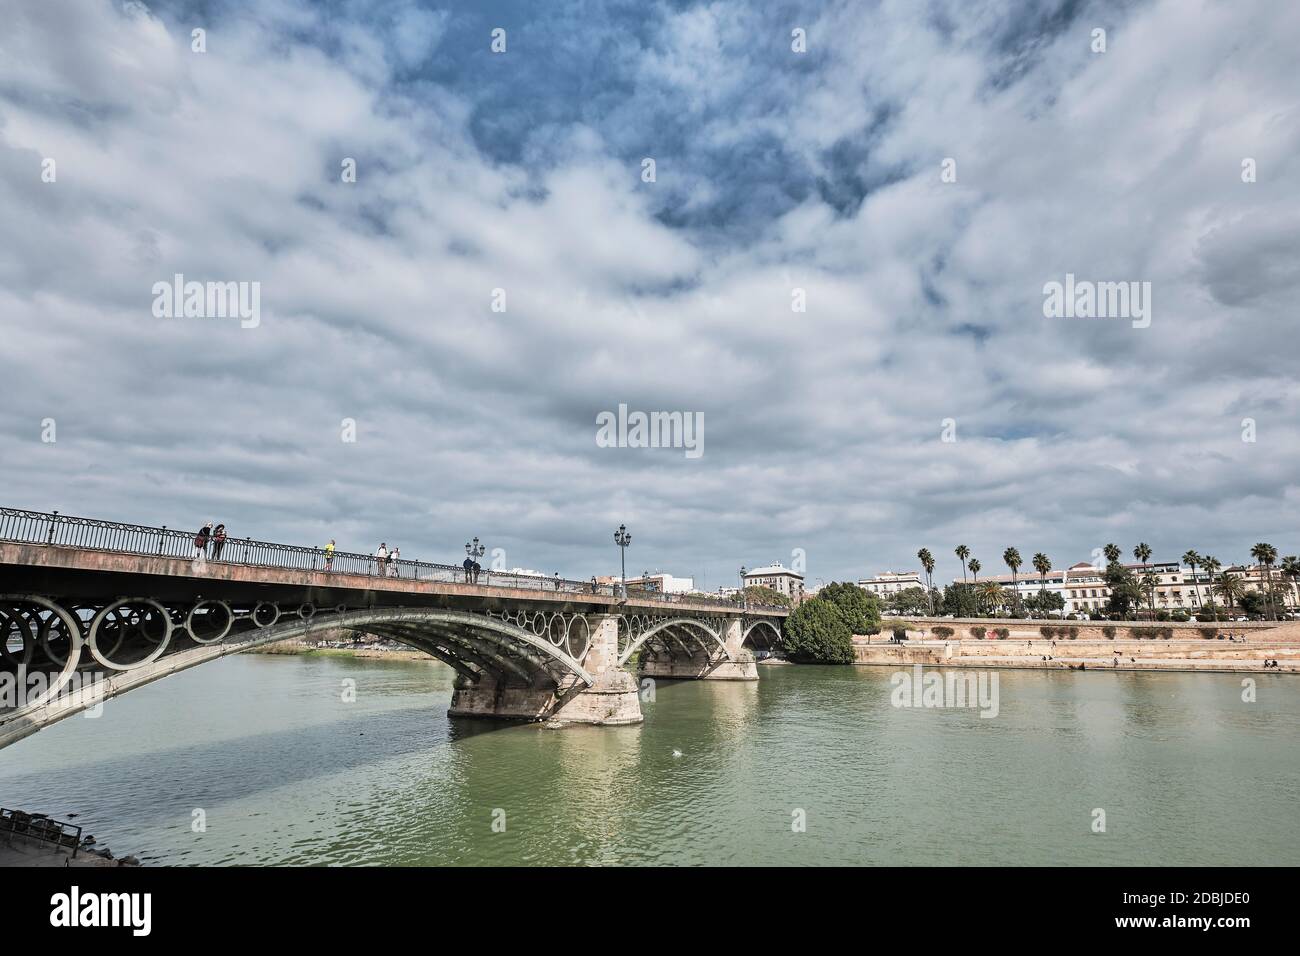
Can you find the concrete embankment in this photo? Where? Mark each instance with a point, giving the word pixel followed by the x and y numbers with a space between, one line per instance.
pixel 1224 646
pixel 1091 655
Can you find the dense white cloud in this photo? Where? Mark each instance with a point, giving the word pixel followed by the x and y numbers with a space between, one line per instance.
pixel 775 170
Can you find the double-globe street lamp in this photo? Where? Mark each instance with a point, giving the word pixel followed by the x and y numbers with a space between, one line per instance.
pixel 623 537
pixel 473 552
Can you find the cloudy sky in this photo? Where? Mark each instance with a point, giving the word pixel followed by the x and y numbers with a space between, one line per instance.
pixel 775 171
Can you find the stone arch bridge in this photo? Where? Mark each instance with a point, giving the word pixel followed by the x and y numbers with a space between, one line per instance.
pixel 90 610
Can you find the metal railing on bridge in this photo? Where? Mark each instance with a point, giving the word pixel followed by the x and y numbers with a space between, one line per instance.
pixel 52 528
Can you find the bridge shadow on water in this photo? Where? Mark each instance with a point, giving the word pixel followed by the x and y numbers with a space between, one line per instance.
pixel 221 770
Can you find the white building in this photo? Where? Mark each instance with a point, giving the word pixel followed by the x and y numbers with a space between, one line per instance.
pixel 888 583
pixel 663 583
pixel 774 576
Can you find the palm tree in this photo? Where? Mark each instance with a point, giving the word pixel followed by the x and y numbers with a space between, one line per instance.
pixel 1192 559
pixel 962 553
pixel 1149 581
pixel 1231 589
pixel 974 565
pixel 1143 552
pixel 1291 571
pixel 927 562
pixel 1266 554
pixel 1042 564
pixel 1012 557
pixel 1111 551
pixel 1211 564
pixel 993 594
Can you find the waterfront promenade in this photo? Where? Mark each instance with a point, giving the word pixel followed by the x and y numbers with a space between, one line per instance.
pixel 1089 645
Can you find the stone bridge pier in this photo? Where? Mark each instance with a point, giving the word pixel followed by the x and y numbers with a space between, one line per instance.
pixel 610 698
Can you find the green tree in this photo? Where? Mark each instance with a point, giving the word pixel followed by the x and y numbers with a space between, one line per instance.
pixel 1149 581
pixel 1291 571
pixel 816 633
pixel 1125 592
pixel 1211 564
pixel 1112 553
pixel 1192 559
pixel 961 600
pixel 993 595
pixel 910 601
pixel 962 553
pixel 1044 603
pixel 1042 564
pixel 1012 558
pixel 757 594
pixel 860 608
pixel 927 562
pixel 1143 553
pixel 1266 554
pixel 1231 589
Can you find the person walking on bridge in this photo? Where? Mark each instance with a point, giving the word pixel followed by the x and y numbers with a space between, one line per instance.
pixel 381 558
pixel 468 565
pixel 329 556
pixel 393 557
pixel 201 541
pixel 218 541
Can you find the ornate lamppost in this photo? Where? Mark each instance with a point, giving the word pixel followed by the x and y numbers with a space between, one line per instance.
pixel 474 552
pixel 744 598
pixel 623 537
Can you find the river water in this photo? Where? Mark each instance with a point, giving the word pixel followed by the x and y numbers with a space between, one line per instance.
pixel 811 765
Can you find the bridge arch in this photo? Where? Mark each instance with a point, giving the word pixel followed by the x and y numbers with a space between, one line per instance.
pixel 474 645
pixel 692 626
pixel 765 630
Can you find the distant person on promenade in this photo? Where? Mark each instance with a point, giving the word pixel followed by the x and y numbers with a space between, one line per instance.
pixel 381 558
pixel 393 557
pixel 475 570
pixel 201 541
pixel 469 570
pixel 593 584
pixel 329 556
pixel 218 541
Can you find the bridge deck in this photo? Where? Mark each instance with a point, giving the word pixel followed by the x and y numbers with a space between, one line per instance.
pixel 95 574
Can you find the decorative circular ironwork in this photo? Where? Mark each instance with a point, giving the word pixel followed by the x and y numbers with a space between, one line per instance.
pixel 40 624
pixel 261 610
pixel 556 630
pixel 208 635
pixel 16 636
pixel 129 622
pixel 577 645
pixel 306 610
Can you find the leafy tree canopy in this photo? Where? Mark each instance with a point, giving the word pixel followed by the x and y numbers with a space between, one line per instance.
pixel 816 633
pixel 861 608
